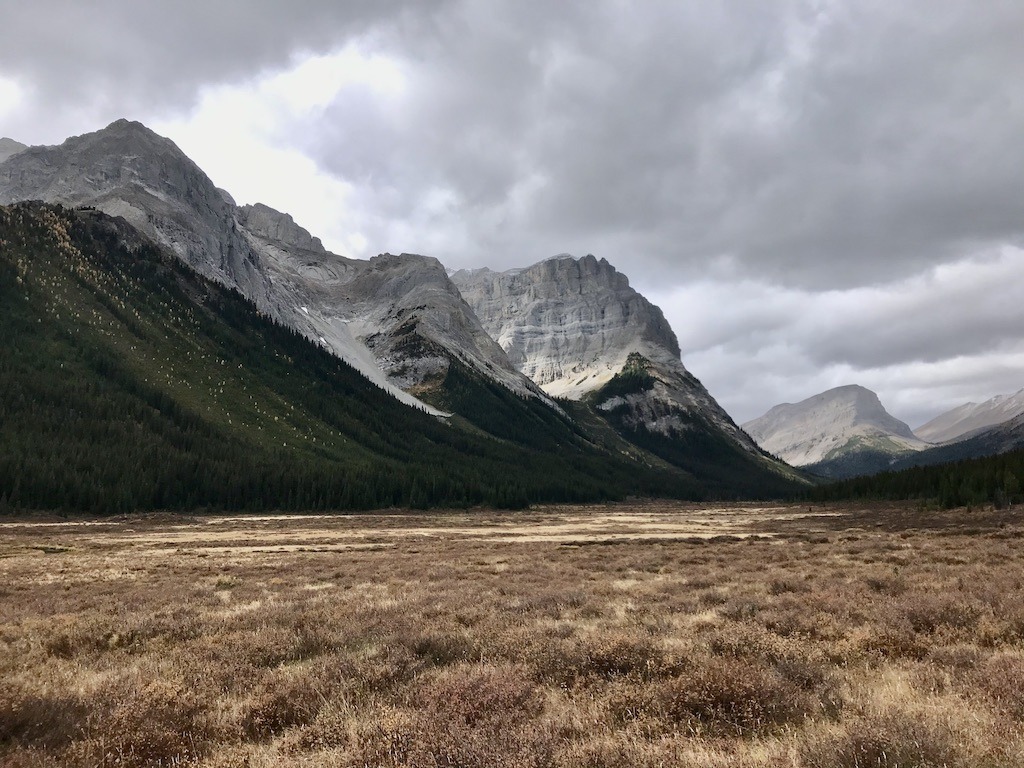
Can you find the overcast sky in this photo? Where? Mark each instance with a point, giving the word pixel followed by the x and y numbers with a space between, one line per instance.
pixel 816 193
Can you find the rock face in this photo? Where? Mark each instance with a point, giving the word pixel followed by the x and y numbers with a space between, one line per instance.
pixel 569 324
pixel 397 319
pixel 971 418
pixel 127 170
pixel 830 425
pixel 400 315
pixel 10 147
pixel 573 325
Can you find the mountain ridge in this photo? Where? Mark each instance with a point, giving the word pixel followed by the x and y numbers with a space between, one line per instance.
pixel 830 426
pixel 971 418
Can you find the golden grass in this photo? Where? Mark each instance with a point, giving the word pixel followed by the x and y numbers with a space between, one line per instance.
pixel 646 635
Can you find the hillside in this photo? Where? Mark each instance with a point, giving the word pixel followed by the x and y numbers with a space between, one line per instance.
pixel 971 418
pixel 129 382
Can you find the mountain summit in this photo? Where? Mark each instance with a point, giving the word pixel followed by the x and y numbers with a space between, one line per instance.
pixel 843 431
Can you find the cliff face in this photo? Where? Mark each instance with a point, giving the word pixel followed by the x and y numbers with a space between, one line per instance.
pixel 399 312
pixel 10 147
pixel 575 326
pixel 569 324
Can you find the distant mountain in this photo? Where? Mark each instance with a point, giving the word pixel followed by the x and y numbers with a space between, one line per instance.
pixel 9 147
pixel 839 433
pixel 971 418
pixel 987 441
pixel 579 331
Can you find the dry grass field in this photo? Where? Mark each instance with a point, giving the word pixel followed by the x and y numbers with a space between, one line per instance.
pixel 646 635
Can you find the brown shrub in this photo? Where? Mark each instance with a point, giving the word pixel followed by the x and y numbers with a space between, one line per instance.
pixel 283 702
pixel 893 740
pixel 731 696
pixel 147 723
pixel 40 720
pixel 1001 679
pixel 469 716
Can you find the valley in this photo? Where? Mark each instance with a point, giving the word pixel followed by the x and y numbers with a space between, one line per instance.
pixel 599 635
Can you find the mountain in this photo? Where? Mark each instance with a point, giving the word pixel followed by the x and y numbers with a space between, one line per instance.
pixel 397 319
pixel 581 332
pixel 979 443
pixel 400 319
pixel 129 381
pixel 401 322
pixel 9 147
pixel 839 433
pixel 971 418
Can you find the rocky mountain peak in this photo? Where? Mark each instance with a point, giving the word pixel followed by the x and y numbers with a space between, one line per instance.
pixel 278 227
pixel 569 324
pixel 970 418
pixel 127 170
pixel 823 427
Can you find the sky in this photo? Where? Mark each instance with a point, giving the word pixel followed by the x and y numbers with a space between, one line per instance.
pixel 816 193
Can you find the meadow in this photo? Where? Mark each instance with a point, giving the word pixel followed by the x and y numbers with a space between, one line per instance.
pixel 653 634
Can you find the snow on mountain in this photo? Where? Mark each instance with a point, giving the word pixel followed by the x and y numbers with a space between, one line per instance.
pixel 572 325
pixel 971 418
pixel 831 424
pixel 10 147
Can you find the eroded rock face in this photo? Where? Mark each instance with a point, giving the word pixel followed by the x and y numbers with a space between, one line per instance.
pixel 129 171
pixel 970 419
pixel 828 425
pixel 399 314
pixel 569 324
pixel 572 325
pixel 10 147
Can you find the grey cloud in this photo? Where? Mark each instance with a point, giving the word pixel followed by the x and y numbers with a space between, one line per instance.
pixel 804 156
pixel 110 58
pixel 819 146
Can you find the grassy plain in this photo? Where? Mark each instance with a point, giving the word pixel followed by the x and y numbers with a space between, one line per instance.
pixel 645 635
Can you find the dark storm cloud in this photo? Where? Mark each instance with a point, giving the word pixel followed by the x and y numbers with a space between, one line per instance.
pixel 815 144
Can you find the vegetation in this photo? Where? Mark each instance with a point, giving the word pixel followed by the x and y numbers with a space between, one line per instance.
pixel 990 480
pixel 129 382
pixel 634 378
pixel 847 637
pixel 699 447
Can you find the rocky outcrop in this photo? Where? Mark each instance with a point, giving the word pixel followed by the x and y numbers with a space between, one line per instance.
pixel 569 324
pixel 831 425
pixel 129 171
pixel 399 314
pixel 9 148
pixel 576 327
